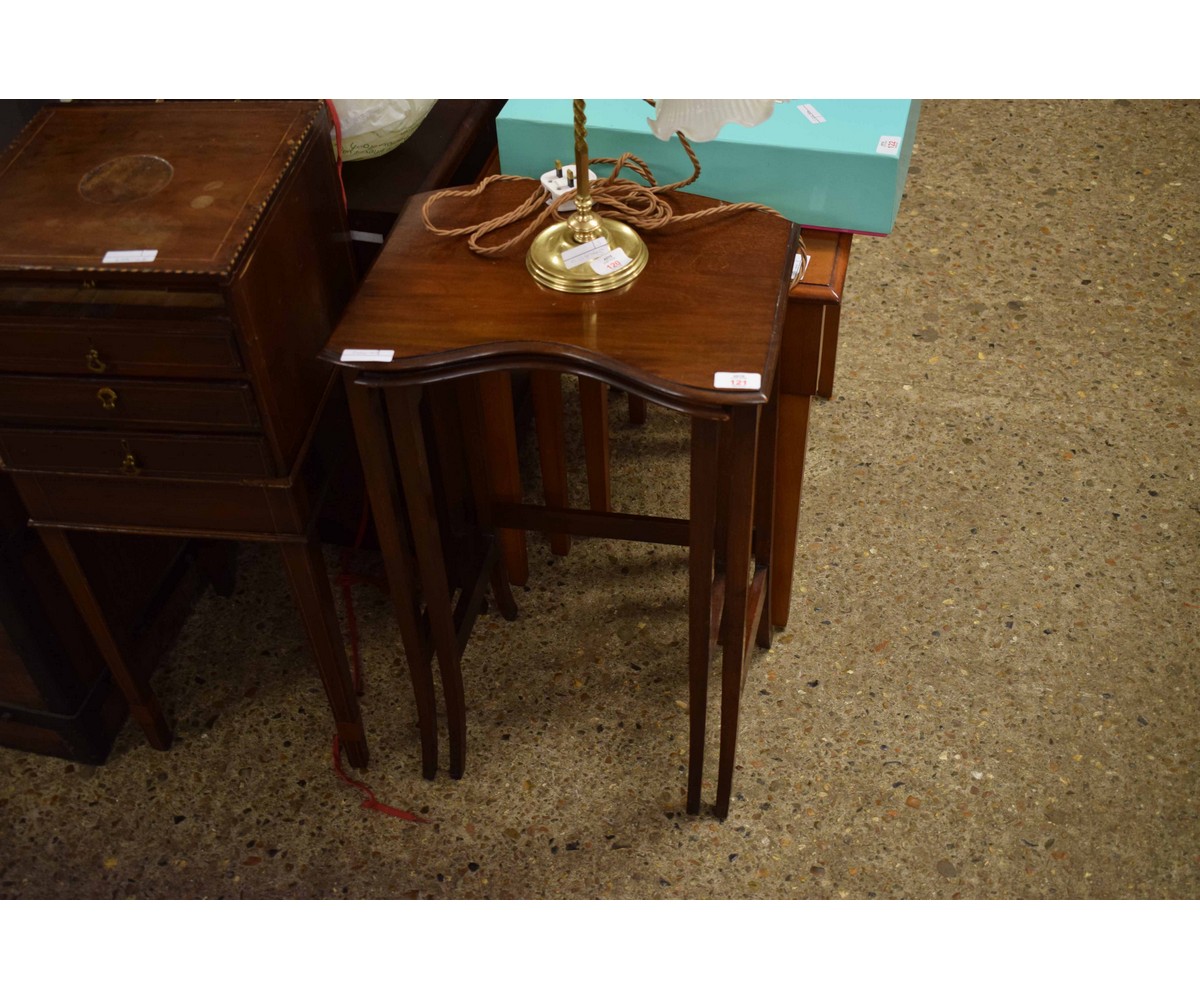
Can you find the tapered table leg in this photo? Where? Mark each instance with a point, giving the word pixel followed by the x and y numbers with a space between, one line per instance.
pixel 370 430
pixel 593 400
pixel 504 470
pixel 829 343
pixel 546 388
pixel 798 374
pixel 314 599
pixel 789 479
pixel 403 406
pixel 738 461
pixel 764 508
pixel 470 402
pixel 143 705
pixel 701 528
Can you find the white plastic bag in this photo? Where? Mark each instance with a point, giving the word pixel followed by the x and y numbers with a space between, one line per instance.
pixel 372 128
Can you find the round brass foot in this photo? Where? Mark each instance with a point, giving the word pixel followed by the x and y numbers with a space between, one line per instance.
pixel 545 259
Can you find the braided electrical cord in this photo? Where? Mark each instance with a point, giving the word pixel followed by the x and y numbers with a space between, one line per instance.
pixel 640 205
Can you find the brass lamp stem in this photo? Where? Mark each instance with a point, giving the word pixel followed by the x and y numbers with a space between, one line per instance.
pixel 582 180
pixel 584 223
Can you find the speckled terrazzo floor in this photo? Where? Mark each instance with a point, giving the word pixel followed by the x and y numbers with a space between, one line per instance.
pixel 988 687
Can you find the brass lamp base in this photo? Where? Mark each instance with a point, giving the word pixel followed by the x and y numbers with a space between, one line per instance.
pixel 545 261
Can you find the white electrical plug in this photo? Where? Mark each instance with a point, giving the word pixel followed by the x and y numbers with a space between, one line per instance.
pixel 559 181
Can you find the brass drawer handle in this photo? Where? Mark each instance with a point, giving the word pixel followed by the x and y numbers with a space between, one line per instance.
pixel 94 364
pixel 129 464
pixel 107 397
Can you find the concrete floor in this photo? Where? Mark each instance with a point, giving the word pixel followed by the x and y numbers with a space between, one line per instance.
pixel 988 687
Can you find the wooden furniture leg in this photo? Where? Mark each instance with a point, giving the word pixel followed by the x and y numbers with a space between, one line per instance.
pixel 738 479
pixel 504 470
pixel 143 705
pixel 370 431
pixel 766 472
pixel 799 370
pixel 829 343
pixel 314 600
pixel 702 518
pixel 789 478
pixel 637 409
pixel 724 444
pixel 403 407
pixel 471 407
pixel 593 400
pixel 546 389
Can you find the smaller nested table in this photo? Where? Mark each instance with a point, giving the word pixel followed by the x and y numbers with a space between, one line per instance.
pixel 706 313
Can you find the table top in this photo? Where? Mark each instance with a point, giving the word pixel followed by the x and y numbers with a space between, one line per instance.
pixel 144 187
pixel 711 299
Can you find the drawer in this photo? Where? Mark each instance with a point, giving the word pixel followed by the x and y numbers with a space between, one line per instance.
pixel 135 454
pixel 170 350
pixel 129 403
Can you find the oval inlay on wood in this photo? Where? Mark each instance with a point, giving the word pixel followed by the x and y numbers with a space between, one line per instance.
pixel 127 178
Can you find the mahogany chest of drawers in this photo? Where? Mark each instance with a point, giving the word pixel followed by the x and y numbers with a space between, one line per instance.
pixel 168 273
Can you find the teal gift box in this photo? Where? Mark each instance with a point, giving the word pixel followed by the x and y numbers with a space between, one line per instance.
pixel 824 164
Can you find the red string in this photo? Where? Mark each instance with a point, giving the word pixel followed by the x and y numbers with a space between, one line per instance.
pixel 337 130
pixel 346 579
pixel 370 802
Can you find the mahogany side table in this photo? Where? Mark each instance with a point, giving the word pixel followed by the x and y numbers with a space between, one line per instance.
pixel 711 301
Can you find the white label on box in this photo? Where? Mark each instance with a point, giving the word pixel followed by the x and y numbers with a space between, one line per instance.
pixel 584 252
pixel 799 266
pixel 737 380
pixel 362 354
pixel 610 262
pixel 811 113
pixel 129 256
pixel 889 145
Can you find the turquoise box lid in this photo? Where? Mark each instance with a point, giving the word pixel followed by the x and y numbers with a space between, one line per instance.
pixel 832 164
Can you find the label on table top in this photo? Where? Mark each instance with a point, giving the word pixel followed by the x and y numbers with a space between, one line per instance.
pixel 363 354
pixel 799 266
pixel 811 113
pixel 129 256
pixel 585 252
pixel 889 145
pixel 613 261
pixel 737 380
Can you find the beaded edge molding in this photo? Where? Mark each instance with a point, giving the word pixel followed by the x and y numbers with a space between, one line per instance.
pixel 296 143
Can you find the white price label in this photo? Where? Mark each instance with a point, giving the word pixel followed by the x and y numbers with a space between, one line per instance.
pixel 889 145
pixel 811 113
pixel 584 252
pixel 129 256
pixel 737 380
pixel 799 266
pixel 613 261
pixel 363 354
